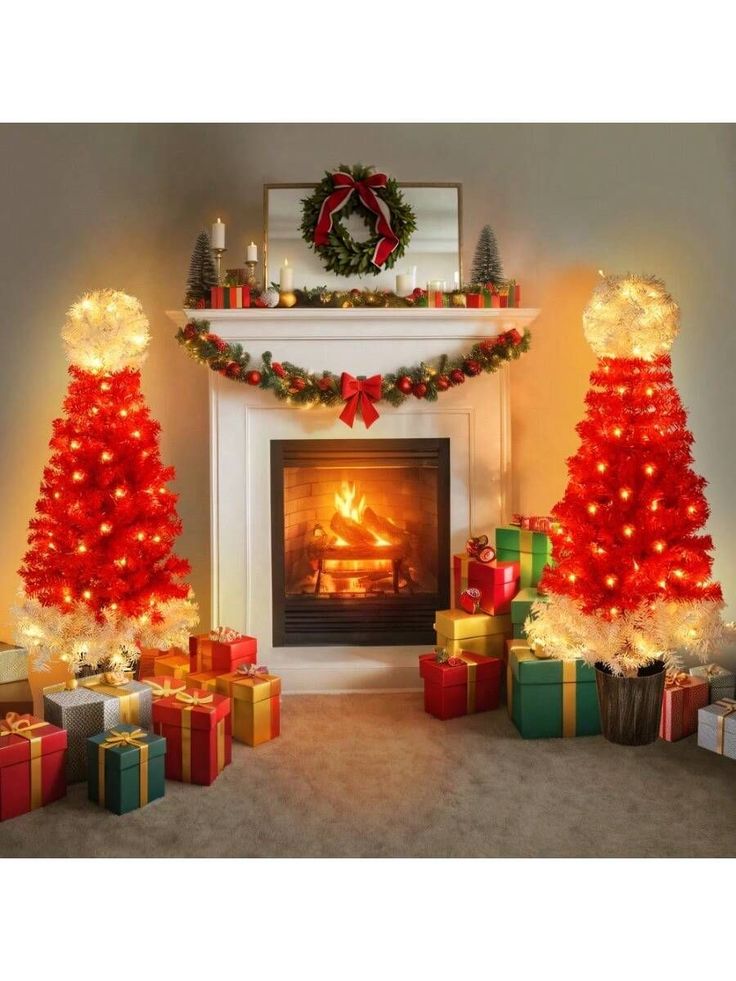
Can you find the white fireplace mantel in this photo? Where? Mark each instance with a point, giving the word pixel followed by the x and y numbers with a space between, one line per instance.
pixel 243 420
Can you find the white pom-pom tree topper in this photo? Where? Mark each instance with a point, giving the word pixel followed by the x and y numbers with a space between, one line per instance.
pixel 106 331
pixel 631 316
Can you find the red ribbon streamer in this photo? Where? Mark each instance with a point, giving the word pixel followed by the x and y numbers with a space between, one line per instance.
pixel 360 392
pixel 344 185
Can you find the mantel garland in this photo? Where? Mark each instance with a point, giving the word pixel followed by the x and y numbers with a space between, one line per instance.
pixel 300 387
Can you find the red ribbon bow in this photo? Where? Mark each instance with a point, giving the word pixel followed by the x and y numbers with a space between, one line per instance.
pixel 344 185
pixel 361 392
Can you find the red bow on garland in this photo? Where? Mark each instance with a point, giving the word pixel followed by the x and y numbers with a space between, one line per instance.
pixel 360 392
pixel 344 185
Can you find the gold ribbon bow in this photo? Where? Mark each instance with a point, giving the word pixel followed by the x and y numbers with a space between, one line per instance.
pixel 121 739
pixel 115 678
pixel 677 679
pixel 192 701
pixel 164 691
pixel 729 704
pixel 116 738
pixel 16 725
pixel 713 670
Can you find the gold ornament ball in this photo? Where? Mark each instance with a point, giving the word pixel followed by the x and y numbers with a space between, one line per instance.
pixel 458 299
pixel 287 299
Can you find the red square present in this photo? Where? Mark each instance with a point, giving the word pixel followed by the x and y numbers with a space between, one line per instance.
pixel 198 731
pixel 684 694
pixel 497 582
pixel 221 656
pixel 465 684
pixel 32 764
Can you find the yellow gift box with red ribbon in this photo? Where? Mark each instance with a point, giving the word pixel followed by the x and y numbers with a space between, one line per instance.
pixel 32 764
pixel 256 705
pixel 197 727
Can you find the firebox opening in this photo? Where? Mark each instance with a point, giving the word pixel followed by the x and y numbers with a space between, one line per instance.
pixel 360 540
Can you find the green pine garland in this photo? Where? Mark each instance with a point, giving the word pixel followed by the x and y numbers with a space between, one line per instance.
pixel 292 383
pixel 342 255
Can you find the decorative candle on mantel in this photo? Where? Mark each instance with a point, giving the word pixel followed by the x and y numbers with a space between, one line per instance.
pixel 251 253
pixel 286 282
pixel 217 238
pixel 404 284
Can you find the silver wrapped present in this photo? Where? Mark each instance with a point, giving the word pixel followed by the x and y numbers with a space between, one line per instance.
pixel 722 681
pixel 83 712
pixel 717 727
pixel 13 663
pixel 136 699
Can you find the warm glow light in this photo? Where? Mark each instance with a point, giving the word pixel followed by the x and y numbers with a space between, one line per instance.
pixel 136 434
pixel 617 432
pixel 592 508
pixel 119 492
pixel 67 598
pixel 105 386
pixel 650 391
pixel 123 413
pixel 75 444
pixel 105 528
pixel 613 611
pixel 679 573
pixel 87 594
pixel 621 390
pixel 601 467
pixel 140 536
pixel 121 562
pixel 628 530
pixel 659 546
pixel 691 509
pixel 610 581
pixel 649 469
pixel 662 584
pixel 624 493
pixel 157 538
pixel 57 495
pixel 82 547
pixel 106 456
pixel 94 410
pixel 654 505
pixel 572 577
pixel 77 475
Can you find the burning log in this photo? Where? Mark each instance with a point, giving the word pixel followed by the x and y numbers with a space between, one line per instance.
pixel 350 531
pixel 383 528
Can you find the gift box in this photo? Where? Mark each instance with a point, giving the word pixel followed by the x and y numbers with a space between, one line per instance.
pixel 197 727
pixel 464 684
pixel 531 549
pixel 16 696
pixel 83 712
pixel 721 681
pixel 135 698
pixel 172 665
pixel 222 651
pixel 229 297
pixel 256 705
pixel 201 679
pixel 521 608
pixel 683 696
pixel 146 665
pixel 477 633
pixel 497 582
pixel 164 686
pixel 717 727
pixel 13 663
pixel 548 697
pixel 125 768
pixel 32 764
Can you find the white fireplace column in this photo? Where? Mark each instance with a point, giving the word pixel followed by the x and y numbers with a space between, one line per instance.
pixel 475 417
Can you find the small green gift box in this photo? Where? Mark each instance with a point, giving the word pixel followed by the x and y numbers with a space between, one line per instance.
pixel 531 549
pixel 521 608
pixel 548 698
pixel 125 768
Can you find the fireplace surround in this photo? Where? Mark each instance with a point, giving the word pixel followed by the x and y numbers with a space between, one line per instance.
pixel 473 418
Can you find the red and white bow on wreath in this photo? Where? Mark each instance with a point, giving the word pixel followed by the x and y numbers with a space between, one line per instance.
pixel 345 185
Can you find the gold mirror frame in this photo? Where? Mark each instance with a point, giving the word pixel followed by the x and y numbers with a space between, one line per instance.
pixel 307 186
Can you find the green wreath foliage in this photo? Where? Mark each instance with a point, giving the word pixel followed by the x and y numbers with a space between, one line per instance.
pixel 342 255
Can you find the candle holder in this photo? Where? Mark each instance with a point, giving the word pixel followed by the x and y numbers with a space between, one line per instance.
pixel 250 277
pixel 218 263
pixel 287 298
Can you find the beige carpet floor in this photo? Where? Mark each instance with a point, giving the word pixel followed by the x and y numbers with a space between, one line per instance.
pixel 372 775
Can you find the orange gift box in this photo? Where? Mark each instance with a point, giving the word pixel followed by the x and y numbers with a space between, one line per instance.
pixel 197 728
pixel 32 764
pixel 256 701
pixel 208 654
pixel 172 665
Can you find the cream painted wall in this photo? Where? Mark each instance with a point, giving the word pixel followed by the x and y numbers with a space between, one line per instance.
pixel 91 206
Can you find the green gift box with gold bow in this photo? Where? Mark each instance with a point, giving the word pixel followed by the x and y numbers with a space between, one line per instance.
pixel 531 549
pixel 548 698
pixel 125 768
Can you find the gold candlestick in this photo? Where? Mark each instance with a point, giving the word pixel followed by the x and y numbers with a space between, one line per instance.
pixel 218 264
pixel 250 278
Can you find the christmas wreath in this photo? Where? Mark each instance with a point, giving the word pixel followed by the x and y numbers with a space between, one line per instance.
pixel 378 200
pixel 289 382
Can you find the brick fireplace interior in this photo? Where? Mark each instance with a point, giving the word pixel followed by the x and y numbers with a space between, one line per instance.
pixel 360 540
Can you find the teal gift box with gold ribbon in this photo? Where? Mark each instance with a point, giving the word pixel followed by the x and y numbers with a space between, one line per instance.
pixel 521 608
pixel 548 698
pixel 125 768
pixel 531 549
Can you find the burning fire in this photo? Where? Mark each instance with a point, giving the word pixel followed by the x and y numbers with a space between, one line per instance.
pixel 344 503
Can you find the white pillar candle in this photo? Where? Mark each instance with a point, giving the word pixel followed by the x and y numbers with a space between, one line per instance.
pixel 286 282
pixel 456 279
pixel 251 253
pixel 218 235
pixel 404 284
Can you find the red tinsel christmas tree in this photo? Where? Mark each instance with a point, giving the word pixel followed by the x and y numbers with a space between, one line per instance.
pixel 100 577
pixel 632 577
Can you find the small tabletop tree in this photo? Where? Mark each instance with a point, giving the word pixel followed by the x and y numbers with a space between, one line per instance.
pixel 100 577
pixel 202 272
pixel 631 584
pixel 486 261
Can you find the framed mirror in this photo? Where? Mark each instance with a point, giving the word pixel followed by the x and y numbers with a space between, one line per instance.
pixel 435 248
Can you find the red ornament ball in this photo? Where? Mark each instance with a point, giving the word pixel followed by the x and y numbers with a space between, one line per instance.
pixel 217 341
pixel 405 384
pixel 278 369
pixel 232 369
pixel 254 377
pixel 325 384
pixel 419 390
pixel 190 332
pixel 457 377
pixel 297 384
pixel 471 367
pixel 442 382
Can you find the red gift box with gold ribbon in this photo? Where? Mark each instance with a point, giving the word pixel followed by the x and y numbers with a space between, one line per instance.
pixel 684 694
pixel 197 727
pixel 221 651
pixel 32 764
pixel 461 685
pixel 497 582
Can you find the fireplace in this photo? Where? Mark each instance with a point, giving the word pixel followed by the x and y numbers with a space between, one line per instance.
pixel 360 540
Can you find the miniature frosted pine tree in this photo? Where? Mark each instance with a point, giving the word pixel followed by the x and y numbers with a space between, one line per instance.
pixel 202 272
pixel 486 261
